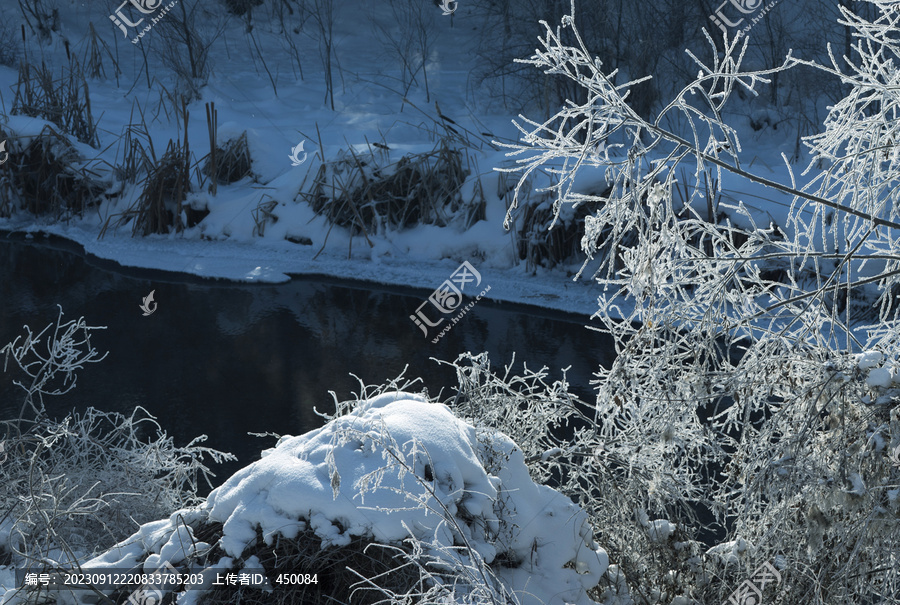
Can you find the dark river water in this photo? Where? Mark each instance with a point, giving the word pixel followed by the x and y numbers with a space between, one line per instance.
pixel 225 359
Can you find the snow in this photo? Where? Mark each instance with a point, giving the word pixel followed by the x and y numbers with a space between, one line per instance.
pixel 879 377
pixel 294 484
pixel 661 529
pixel 551 453
pixel 364 474
pixel 7 580
pixel 730 552
pixel 869 360
pixel 858 486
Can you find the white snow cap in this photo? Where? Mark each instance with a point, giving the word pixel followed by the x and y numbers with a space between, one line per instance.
pixel 869 360
pixel 731 552
pixel 879 377
pixel 339 481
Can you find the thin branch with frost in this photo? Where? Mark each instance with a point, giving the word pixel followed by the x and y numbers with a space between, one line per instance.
pixel 68 349
pixel 737 383
pixel 90 479
pixel 87 481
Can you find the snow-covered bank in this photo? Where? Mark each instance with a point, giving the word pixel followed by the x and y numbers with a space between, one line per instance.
pixel 274 262
pixel 252 221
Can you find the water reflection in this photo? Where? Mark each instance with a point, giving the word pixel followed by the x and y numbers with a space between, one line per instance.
pixel 225 359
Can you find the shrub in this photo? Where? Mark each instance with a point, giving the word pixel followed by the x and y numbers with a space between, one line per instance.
pixel 160 205
pixel 186 42
pixel 76 486
pixel 46 176
pixel 743 405
pixel 232 161
pixel 368 193
pixel 65 101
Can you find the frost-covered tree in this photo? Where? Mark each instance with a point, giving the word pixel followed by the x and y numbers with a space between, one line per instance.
pixel 749 405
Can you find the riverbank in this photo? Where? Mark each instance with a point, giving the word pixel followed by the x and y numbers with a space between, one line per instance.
pixel 269 262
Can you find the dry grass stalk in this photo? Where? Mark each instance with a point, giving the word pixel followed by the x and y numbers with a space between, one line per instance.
pixel 136 159
pixel 65 101
pixel 96 46
pixel 262 215
pixel 158 209
pixel 229 163
pixel 160 206
pixel 477 210
pixel 449 130
pixel 212 166
pixel 356 192
pixel 45 178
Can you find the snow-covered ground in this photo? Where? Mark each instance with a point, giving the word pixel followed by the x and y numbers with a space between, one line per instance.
pixel 369 108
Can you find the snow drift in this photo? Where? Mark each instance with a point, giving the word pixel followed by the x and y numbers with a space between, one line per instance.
pixel 394 468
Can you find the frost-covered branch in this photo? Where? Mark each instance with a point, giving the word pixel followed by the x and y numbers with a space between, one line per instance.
pixel 747 404
pixel 84 482
pixel 68 349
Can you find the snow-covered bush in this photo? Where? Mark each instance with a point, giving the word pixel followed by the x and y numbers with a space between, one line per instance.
pixel 370 194
pixel 736 410
pixel 45 174
pixel 76 486
pixel 391 472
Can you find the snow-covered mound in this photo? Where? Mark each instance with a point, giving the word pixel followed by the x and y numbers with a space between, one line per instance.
pixel 396 467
